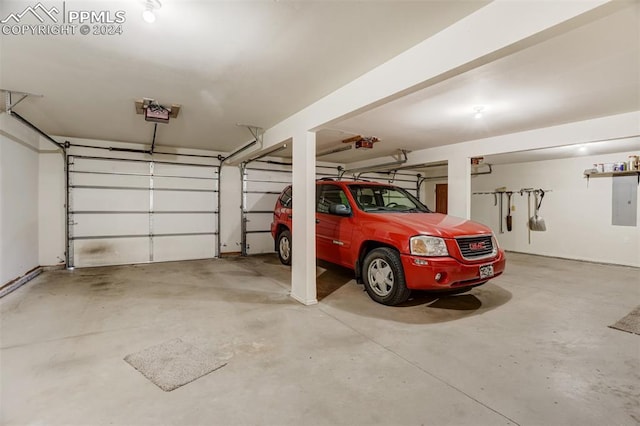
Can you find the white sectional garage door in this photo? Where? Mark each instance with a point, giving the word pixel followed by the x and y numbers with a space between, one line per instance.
pixel 262 183
pixel 125 211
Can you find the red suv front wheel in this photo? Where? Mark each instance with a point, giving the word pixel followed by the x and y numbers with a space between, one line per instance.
pixel 383 276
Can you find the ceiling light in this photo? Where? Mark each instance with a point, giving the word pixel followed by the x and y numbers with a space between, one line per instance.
pixel 149 15
pixel 478 111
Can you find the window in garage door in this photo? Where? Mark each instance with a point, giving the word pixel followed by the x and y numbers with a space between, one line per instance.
pixel 125 211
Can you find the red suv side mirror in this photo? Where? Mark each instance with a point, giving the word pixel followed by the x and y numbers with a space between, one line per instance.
pixel 340 210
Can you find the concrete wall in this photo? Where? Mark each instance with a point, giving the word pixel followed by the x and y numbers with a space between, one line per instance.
pixel 577 213
pixel 19 176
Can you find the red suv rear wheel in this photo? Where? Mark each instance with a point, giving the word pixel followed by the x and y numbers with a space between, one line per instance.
pixel 284 247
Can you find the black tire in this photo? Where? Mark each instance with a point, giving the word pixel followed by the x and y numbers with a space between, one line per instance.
pixel 284 247
pixel 383 277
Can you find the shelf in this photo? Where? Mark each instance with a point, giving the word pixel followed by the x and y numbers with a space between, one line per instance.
pixel 609 174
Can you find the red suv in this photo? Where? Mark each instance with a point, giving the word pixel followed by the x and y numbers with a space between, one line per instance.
pixel 394 243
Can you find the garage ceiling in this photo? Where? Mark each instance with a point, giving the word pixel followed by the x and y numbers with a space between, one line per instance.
pixel 226 62
pixel 259 62
pixel 569 151
pixel 585 72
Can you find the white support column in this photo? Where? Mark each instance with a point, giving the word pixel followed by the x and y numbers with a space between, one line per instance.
pixel 303 271
pixel 459 197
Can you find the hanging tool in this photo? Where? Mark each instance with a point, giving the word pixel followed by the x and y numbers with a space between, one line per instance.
pixel 528 191
pixel 500 192
pixel 509 218
pixel 500 212
pixel 536 222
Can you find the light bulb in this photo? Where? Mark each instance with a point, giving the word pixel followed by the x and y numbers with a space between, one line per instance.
pixel 149 16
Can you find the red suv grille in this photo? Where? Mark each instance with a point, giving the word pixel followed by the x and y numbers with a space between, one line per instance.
pixel 473 248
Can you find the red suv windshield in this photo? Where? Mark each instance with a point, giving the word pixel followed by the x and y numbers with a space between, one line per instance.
pixel 379 199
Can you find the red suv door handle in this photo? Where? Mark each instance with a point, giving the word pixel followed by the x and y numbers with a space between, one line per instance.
pixel 317 220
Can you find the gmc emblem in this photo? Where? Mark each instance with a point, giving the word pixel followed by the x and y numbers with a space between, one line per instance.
pixel 476 246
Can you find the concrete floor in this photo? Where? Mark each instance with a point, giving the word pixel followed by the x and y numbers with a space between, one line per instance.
pixel 531 347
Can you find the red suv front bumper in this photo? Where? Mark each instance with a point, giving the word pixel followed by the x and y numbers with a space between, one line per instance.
pixel 453 273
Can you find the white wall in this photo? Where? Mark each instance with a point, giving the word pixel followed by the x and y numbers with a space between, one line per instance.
pixel 18 199
pixel 428 192
pixel 51 198
pixel 577 215
pixel 620 126
pixel 428 188
pixel 230 200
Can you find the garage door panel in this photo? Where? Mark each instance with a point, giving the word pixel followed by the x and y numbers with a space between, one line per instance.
pixel 185 201
pixel 184 183
pixel 262 185
pixel 184 247
pixel 259 221
pixel 110 224
pixel 92 199
pixel 258 243
pixel 326 171
pixel 405 181
pixel 163 169
pixel 260 201
pixel 89 179
pixel 266 186
pixel 112 198
pixel 111 251
pixel 269 175
pixel 183 223
pixel 109 166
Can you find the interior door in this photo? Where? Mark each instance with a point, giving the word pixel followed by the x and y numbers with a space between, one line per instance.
pixel 442 193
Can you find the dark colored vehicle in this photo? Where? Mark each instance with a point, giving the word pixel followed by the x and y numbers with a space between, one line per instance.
pixel 392 241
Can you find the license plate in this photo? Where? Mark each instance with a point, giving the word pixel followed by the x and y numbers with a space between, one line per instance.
pixel 486 271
